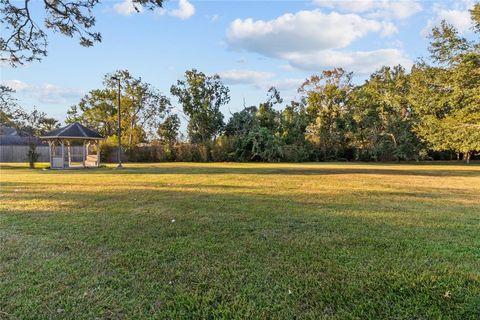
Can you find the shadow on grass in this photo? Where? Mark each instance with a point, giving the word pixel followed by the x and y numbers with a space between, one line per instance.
pixel 423 203
pixel 280 169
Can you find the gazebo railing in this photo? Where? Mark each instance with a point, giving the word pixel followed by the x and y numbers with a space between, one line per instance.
pixel 61 154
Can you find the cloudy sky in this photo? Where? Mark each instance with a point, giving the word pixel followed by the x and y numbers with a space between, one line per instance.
pixel 251 44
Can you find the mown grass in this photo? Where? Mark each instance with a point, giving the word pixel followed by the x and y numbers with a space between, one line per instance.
pixel 333 241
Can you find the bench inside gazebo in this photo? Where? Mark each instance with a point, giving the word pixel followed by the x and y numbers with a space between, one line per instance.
pixel 64 141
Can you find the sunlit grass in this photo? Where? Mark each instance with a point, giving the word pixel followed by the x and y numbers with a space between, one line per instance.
pixel 225 240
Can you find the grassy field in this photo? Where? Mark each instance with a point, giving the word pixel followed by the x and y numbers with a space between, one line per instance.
pixel 339 241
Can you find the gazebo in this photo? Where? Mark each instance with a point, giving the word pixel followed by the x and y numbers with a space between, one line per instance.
pixel 63 141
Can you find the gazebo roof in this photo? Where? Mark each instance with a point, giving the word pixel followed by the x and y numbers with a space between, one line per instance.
pixel 73 131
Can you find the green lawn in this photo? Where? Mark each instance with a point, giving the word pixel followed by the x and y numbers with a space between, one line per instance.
pixel 339 241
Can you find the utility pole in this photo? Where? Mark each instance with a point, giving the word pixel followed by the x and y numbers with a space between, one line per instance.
pixel 119 129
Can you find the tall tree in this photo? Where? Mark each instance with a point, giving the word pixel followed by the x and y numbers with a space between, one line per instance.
pixel 8 106
pixel 168 132
pixel 266 140
pixel 293 125
pixel 391 127
pixel 24 39
pixel 35 123
pixel 142 108
pixel 238 128
pixel 326 96
pixel 32 123
pixel 97 110
pixel 445 92
pixel 242 122
pixel 201 97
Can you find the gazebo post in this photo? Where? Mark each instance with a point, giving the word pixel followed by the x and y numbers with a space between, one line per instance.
pixel 83 154
pixel 63 153
pixel 53 150
pixel 69 153
pixel 50 153
pixel 98 153
pixel 87 149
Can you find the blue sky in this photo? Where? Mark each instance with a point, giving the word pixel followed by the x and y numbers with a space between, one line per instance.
pixel 251 44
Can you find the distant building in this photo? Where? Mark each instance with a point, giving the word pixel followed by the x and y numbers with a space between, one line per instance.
pixel 9 136
pixel 14 146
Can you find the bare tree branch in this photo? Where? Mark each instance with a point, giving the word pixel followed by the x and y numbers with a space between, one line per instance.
pixel 24 40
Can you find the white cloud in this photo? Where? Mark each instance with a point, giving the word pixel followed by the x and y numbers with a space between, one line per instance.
pixel 360 62
pixel 127 7
pixel 16 85
pixel 258 79
pixel 213 18
pixel 458 16
pixel 388 29
pixel 287 84
pixel 351 5
pixel 185 10
pixel 287 67
pixel 304 30
pixel 44 93
pixel 311 40
pixel 245 76
pixel 383 9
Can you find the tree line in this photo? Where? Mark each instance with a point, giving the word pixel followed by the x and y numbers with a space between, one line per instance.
pixel 429 112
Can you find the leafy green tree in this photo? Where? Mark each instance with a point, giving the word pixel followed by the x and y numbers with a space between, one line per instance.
pixel 266 138
pixel 242 122
pixel 255 131
pixel 97 110
pixel 445 93
pixel 265 146
pixel 238 129
pixel 168 132
pixel 475 13
pixel 201 97
pixel 326 96
pixel 23 38
pixel 33 123
pixel 389 118
pixel 8 106
pixel 142 107
pixel 266 115
pixel 293 125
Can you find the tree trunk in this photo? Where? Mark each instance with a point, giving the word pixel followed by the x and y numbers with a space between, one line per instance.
pixel 395 146
pixel 467 156
pixel 130 136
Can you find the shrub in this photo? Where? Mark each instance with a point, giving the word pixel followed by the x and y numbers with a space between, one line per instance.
pixel 106 151
pixel 223 150
pixel 294 153
pixel 32 154
pixel 183 152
